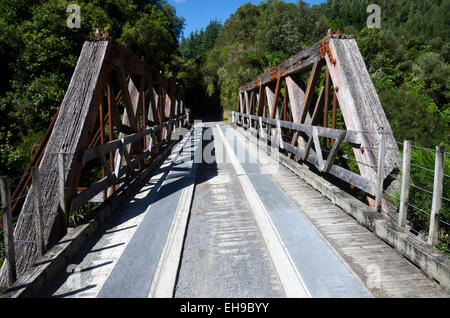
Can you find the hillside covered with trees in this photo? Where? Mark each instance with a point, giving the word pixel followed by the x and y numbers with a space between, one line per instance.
pixel 408 58
pixel 38 54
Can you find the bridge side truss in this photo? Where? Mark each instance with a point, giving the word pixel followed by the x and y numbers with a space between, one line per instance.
pixel 118 114
pixel 318 106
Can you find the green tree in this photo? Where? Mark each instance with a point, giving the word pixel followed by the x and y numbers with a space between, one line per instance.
pixel 39 52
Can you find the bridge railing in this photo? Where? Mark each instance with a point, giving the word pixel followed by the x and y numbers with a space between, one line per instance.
pixel 122 103
pixel 270 131
pixel 122 156
pixel 125 166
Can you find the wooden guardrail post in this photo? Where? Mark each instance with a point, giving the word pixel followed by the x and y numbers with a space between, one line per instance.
pixel 433 237
pixel 62 189
pixel 404 197
pixel 261 129
pixel 8 231
pixel 38 217
pixel 380 172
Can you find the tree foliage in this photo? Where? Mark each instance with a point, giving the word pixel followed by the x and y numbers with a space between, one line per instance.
pixel 408 58
pixel 408 61
pixel 39 52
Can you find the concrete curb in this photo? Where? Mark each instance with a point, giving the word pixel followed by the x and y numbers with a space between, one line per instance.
pixel 430 260
pixel 164 281
pixel 56 260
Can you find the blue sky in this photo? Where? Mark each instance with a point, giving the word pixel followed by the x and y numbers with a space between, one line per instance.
pixel 198 13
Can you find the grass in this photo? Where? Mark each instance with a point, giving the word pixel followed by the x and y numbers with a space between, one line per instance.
pixel 77 217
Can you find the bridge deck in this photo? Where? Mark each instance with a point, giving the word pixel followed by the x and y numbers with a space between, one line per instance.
pixel 384 271
pixel 224 254
pixel 240 211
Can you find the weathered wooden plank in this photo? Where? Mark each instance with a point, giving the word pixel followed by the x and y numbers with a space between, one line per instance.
pixel 128 118
pixel 275 99
pixel 10 263
pixel 333 151
pixel 350 136
pixel 74 130
pixel 71 133
pixel 260 101
pixel 113 111
pixel 298 63
pixel 105 165
pixel 404 196
pixel 311 120
pixel 433 237
pixel 314 77
pixel 296 97
pixel 89 193
pixel 270 94
pixel 358 181
pixel 91 154
pixel 380 172
pixel 167 106
pixel 39 219
pixel 360 104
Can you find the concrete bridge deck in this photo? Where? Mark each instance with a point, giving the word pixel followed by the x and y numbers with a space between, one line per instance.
pixel 237 224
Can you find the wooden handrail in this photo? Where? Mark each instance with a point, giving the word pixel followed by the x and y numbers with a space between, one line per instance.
pixel 313 132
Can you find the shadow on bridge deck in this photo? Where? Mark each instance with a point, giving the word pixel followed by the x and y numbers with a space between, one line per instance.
pixel 224 250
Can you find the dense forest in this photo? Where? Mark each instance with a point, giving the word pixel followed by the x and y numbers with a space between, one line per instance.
pixel 408 58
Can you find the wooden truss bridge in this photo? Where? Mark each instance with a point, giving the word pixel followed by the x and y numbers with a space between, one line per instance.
pixel 290 200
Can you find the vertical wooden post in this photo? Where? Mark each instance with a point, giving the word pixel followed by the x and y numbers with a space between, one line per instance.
pixel 111 137
pixel 62 190
pixel 261 134
pixel 285 102
pixel 102 141
pixel 144 113
pixel 8 230
pixel 275 98
pixel 405 183
pixel 327 99
pixel 38 217
pixel 333 119
pixel 380 172
pixel 433 237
